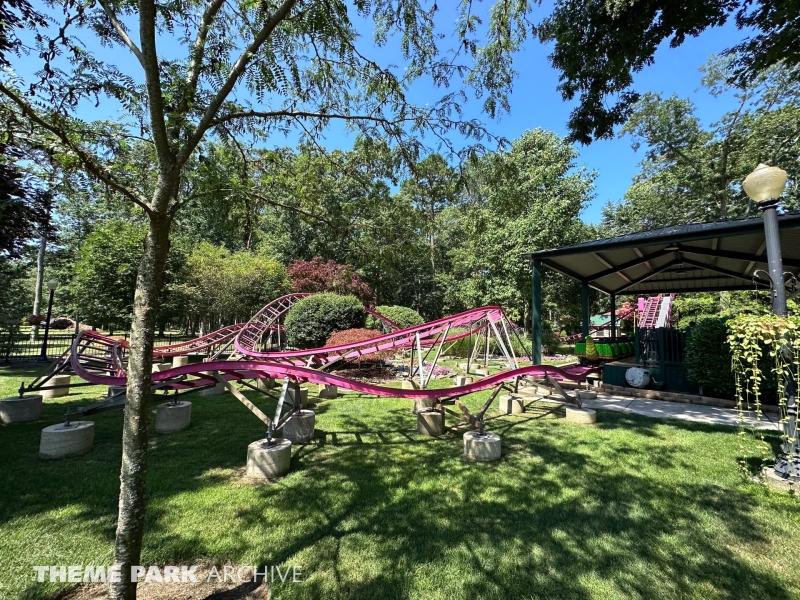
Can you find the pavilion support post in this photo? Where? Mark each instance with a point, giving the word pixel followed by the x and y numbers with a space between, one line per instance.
pixel 613 316
pixel 584 308
pixel 536 311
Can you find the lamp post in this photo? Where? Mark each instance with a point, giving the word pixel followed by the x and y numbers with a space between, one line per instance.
pixel 765 186
pixel 53 286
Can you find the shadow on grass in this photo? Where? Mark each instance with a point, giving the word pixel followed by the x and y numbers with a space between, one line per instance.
pixel 374 510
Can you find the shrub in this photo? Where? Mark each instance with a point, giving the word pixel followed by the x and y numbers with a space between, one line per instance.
pixel 316 275
pixel 404 317
pixel 310 322
pixel 708 357
pixel 350 336
pixel 62 323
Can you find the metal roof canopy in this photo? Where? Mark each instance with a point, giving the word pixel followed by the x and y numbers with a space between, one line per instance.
pixel 698 257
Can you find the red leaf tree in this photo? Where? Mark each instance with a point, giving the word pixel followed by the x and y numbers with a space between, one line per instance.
pixel 316 275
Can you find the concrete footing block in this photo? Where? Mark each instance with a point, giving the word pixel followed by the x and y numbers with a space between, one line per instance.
pixel 327 391
pixel 113 390
pixel 269 461
pixel 482 372
pixel 18 410
pixel 299 429
pixel 482 448
pixel 63 441
pixel 511 405
pixel 585 395
pixel 303 396
pixel 218 390
pixel 409 384
pixel 776 482
pixel 581 416
pixel 430 422
pixel 421 404
pixel 58 380
pixel 172 417
pixel 159 367
pixel 180 361
pixel 265 383
pixel 460 380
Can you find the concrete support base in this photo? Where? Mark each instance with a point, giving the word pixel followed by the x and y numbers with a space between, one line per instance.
pixel 113 390
pixel 511 405
pixel 217 390
pixel 581 416
pixel 460 380
pixel 264 384
pixel 585 395
pixel 430 422
pixel 778 483
pixel 173 417
pixel 17 410
pixel 269 461
pixel 482 448
pixel 159 367
pixel 421 404
pixel 409 384
pixel 303 396
pixel 482 372
pixel 299 429
pixel 57 393
pixel 327 392
pixel 180 361
pixel 63 441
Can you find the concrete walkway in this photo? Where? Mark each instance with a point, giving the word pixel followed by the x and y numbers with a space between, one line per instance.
pixel 660 409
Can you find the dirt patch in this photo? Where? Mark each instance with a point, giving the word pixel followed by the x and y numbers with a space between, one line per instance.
pixel 239 586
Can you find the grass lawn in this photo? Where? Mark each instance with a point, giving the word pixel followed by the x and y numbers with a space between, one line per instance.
pixel 630 508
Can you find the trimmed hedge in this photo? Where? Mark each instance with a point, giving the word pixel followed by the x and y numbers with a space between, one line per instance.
pixel 404 317
pixel 310 322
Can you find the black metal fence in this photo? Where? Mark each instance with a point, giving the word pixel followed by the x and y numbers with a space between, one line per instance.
pixel 21 347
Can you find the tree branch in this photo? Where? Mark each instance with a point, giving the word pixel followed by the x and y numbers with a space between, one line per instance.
pixel 121 32
pixel 152 76
pixel 89 163
pixel 296 114
pixel 199 46
pixel 233 76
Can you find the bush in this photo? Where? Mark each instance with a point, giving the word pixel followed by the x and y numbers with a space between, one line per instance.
pixel 708 357
pixel 62 323
pixel 350 336
pixel 404 317
pixel 310 322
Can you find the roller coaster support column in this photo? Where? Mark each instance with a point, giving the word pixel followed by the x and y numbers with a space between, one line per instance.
pixel 613 316
pixel 584 309
pixel 536 311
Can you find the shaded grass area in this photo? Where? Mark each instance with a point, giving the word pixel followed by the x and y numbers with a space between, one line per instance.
pixel 631 508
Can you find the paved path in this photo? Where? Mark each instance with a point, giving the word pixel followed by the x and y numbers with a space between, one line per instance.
pixel 660 409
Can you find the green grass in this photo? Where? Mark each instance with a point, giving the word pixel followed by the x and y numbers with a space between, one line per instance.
pixel 631 508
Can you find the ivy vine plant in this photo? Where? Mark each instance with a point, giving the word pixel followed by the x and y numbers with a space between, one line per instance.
pixel 762 351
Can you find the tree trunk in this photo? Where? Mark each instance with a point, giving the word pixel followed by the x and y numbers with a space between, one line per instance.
pixel 37 299
pixel 133 475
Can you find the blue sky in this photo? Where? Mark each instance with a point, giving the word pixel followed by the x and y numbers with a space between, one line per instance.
pixel 535 101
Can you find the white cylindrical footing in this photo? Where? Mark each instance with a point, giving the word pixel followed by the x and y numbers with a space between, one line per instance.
pixel 586 395
pixel 159 367
pixel 461 380
pixel 303 396
pixel 511 405
pixel 17 410
pixel 299 429
pixel 581 416
pixel 482 372
pixel 430 422
pixel 58 380
pixel 180 361
pixel 269 461
pixel 173 417
pixel 409 384
pixel 327 391
pixel 421 404
pixel 62 441
pixel 217 390
pixel 265 383
pixel 483 448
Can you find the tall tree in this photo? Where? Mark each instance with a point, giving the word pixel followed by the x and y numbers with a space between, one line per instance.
pixel 261 68
pixel 600 44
